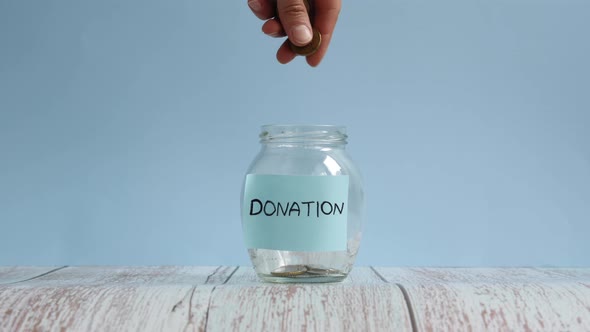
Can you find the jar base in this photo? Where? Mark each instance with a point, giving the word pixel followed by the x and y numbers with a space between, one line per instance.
pixel 302 279
pixel 278 266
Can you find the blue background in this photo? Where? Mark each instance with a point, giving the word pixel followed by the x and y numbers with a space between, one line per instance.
pixel 126 128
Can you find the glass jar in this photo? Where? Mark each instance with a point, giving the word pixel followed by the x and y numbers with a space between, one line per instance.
pixel 302 205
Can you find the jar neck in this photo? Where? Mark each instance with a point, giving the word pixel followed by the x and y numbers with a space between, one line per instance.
pixel 307 136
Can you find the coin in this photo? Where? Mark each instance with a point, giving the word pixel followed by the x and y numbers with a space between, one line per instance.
pixel 289 271
pixel 310 48
pixel 321 270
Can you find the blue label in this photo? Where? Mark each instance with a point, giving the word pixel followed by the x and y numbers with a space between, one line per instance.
pixel 295 213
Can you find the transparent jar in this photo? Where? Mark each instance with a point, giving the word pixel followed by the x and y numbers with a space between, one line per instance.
pixel 302 205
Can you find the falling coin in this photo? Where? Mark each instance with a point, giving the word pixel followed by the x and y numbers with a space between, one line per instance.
pixel 289 271
pixel 310 48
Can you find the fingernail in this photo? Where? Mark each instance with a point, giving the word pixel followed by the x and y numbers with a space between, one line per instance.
pixel 254 5
pixel 274 34
pixel 301 35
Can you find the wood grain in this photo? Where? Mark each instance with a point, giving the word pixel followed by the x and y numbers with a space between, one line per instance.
pixel 111 299
pixel 361 303
pixel 12 274
pixel 509 299
pixel 232 299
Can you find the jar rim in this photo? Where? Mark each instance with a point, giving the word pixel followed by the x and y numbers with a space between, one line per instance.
pixel 318 133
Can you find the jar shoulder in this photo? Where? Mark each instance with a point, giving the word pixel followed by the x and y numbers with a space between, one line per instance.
pixel 304 162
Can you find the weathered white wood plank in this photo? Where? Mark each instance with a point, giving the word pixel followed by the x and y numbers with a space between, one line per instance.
pixel 111 299
pixel 178 298
pixel 459 299
pixel 361 303
pixel 12 274
pixel 576 274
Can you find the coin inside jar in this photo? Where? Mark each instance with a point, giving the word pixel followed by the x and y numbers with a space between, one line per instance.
pixel 321 270
pixel 289 271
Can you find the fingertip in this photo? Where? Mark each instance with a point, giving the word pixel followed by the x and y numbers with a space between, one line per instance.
pixel 273 28
pixel 300 35
pixel 295 19
pixel 263 9
pixel 285 54
pixel 313 61
pixel 255 5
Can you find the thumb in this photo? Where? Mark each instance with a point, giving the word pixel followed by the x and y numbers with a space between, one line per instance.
pixel 294 16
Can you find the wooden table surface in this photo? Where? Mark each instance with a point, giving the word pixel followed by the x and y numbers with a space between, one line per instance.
pixel 225 298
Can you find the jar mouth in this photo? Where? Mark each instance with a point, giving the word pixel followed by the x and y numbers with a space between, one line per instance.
pixel 289 133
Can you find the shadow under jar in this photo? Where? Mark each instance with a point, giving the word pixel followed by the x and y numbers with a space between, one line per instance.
pixel 302 205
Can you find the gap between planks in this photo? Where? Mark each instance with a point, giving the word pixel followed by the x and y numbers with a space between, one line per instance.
pixel 406 299
pixel 213 290
pixel 37 276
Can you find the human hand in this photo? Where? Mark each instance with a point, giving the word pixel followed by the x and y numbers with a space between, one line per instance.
pixel 295 24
